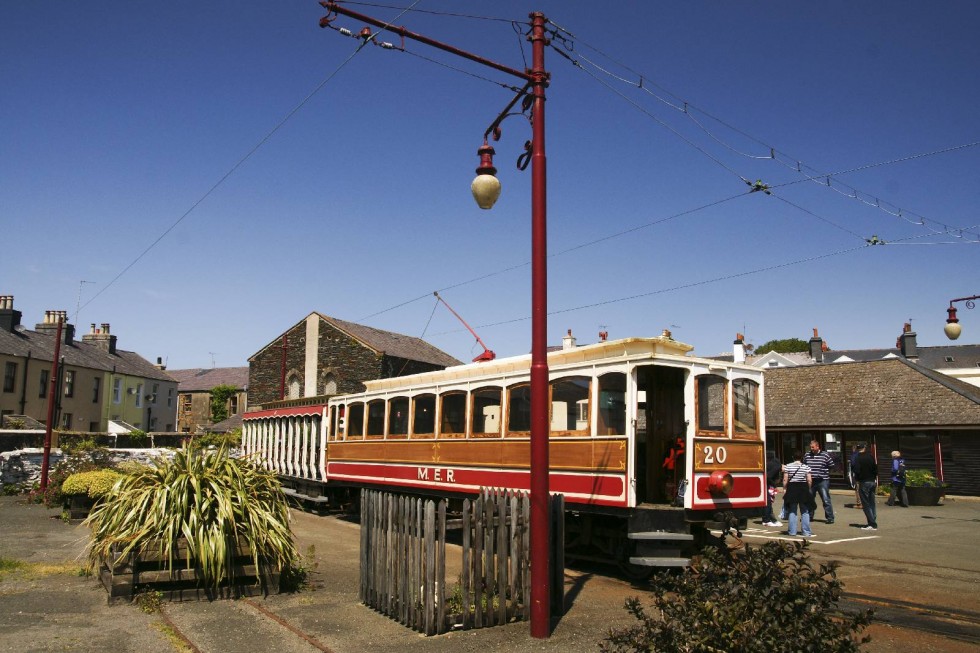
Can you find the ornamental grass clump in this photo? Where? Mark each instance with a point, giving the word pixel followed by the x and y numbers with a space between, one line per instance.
pixel 205 498
pixel 767 599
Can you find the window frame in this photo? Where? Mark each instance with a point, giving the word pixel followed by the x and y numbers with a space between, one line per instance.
pixel 569 432
pixel 452 394
pixel 698 390
pixel 10 376
pixel 736 433
pixel 509 411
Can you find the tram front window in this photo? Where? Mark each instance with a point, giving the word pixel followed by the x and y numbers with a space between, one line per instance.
pixel 711 405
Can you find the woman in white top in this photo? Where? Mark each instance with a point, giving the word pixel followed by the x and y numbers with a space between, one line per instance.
pixel 796 484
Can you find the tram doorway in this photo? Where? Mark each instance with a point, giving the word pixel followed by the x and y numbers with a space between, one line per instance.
pixel 659 464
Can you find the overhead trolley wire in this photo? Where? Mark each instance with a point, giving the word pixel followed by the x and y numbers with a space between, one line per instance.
pixel 237 165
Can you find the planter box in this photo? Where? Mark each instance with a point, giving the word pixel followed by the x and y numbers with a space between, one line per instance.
pixel 925 496
pixel 124 576
pixel 79 506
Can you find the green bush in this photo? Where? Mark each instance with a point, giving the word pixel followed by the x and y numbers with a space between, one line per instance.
pixel 769 599
pixel 78 459
pixel 205 497
pixel 921 478
pixel 206 440
pixel 95 484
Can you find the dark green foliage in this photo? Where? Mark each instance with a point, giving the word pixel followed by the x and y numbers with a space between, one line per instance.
pixel 785 346
pixel 220 394
pixel 768 599
pixel 922 478
pixel 231 439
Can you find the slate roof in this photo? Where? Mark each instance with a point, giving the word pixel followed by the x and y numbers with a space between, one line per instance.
pixel 40 346
pixel 881 393
pixel 394 344
pixel 385 342
pixel 203 380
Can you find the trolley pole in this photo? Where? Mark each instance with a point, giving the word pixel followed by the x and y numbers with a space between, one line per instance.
pixel 536 81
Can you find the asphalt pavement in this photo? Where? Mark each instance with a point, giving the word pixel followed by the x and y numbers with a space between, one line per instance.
pixel 925 555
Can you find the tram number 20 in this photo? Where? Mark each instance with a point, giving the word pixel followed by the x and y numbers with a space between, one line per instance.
pixel 714 455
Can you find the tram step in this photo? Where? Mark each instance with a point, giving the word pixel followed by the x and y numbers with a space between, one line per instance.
pixel 662 535
pixel 660 562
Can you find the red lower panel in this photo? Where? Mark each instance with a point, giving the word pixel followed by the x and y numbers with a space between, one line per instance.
pixel 748 491
pixel 596 489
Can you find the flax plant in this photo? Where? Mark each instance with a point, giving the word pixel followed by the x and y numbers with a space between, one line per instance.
pixel 205 498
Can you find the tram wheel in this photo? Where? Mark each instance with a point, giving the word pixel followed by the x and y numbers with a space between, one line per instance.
pixel 636 573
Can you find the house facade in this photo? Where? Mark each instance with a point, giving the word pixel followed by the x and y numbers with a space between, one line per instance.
pixel 324 356
pixel 97 383
pixel 194 399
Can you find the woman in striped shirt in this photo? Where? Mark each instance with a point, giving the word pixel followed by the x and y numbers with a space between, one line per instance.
pixel 797 482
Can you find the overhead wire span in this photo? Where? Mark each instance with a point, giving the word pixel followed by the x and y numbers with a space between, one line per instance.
pixel 791 163
pixel 235 167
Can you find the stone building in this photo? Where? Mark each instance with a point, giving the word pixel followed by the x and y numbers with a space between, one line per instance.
pixel 321 355
pixel 194 386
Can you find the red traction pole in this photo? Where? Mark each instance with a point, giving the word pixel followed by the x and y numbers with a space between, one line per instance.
pixel 46 458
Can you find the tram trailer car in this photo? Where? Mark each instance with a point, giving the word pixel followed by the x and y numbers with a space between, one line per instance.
pixel 651 446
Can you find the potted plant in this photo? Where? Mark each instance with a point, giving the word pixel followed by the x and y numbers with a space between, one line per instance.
pixel 923 488
pixel 82 490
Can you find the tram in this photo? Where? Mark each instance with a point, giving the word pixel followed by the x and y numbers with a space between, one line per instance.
pixel 650 445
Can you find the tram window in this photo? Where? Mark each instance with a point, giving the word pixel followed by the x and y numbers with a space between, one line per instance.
pixel 375 418
pixel 519 410
pixel 424 417
pixel 486 413
pixel 398 417
pixel 355 421
pixel 612 404
pixel 332 423
pixel 453 423
pixel 711 405
pixel 744 394
pixel 570 406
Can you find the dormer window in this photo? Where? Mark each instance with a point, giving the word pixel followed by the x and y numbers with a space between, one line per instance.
pixel 949 359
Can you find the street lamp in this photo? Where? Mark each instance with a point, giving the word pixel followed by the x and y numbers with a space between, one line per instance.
pixel 953 328
pixel 486 189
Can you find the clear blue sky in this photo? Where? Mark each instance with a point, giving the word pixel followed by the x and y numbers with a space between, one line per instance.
pixel 117 118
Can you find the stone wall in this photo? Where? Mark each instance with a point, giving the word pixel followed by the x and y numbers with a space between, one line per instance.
pixel 24 465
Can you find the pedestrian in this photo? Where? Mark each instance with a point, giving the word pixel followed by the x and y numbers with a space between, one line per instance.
pixel 866 475
pixel 898 481
pixel 820 463
pixel 774 477
pixel 851 476
pixel 796 493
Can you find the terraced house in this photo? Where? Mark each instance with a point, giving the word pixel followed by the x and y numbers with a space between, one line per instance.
pixel 98 382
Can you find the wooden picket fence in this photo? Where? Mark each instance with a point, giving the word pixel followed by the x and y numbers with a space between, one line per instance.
pixel 403 560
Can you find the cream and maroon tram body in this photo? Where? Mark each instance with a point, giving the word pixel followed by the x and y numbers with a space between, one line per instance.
pixel 644 440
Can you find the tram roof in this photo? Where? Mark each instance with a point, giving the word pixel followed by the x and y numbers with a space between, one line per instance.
pixel 606 350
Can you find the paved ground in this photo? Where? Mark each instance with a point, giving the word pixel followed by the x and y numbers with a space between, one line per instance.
pixel 920 555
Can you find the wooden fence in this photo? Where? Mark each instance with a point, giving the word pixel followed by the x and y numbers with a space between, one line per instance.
pixel 403 560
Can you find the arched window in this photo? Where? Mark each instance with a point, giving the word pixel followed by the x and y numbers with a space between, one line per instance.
pixel 398 417
pixel 744 394
pixel 424 417
pixel 519 410
pixel 570 405
pixel 453 421
pixel 711 405
pixel 329 384
pixel 486 413
pixel 355 421
pixel 375 418
pixel 293 385
pixel 612 404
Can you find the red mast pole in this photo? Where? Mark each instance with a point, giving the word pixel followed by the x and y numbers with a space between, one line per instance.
pixel 46 458
pixel 540 429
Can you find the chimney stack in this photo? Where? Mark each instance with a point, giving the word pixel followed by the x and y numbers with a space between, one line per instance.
pixel 101 338
pixel 739 349
pixel 568 342
pixel 160 366
pixel 816 347
pixel 50 326
pixel 9 318
pixel 906 342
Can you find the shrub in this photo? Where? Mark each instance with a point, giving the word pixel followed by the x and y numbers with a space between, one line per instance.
pixel 921 478
pixel 78 459
pixel 206 440
pixel 208 498
pixel 768 599
pixel 95 484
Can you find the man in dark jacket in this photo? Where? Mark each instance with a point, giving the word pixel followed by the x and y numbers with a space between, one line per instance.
pixel 866 476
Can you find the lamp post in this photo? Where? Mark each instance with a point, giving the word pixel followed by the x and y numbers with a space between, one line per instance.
pixel 486 189
pixel 953 328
